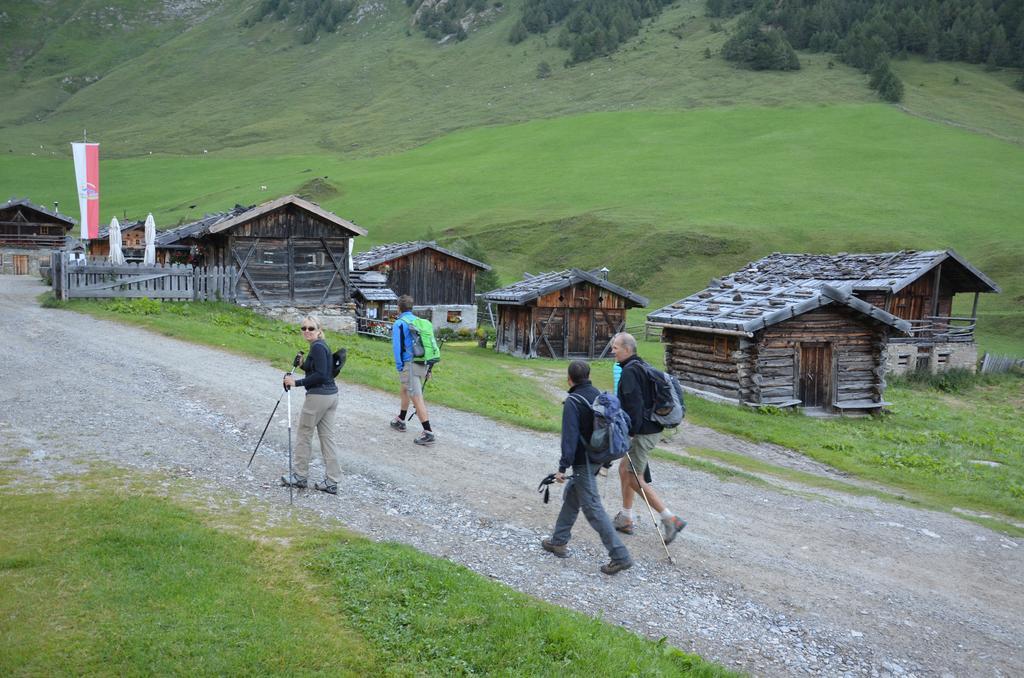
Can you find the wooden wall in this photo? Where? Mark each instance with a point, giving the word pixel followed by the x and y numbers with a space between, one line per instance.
pixel 576 322
pixel 833 349
pixel 914 302
pixel 431 278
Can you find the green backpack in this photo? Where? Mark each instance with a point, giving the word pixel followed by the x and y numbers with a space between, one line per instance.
pixel 424 344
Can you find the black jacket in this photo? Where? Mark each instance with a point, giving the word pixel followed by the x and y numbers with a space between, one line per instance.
pixel 577 421
pixel 318 366
pixel 636 396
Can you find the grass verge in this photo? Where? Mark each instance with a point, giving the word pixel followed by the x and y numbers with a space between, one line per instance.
pixel 100 581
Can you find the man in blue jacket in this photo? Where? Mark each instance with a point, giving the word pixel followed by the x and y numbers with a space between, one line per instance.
pixel 581 493
pixel 411 374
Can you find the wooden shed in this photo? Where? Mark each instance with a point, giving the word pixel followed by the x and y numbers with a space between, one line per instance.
pixel 567 314
pixel 376 303
pixel 28 233
pixel 287 252
pixel 431 274
pixel 783 344
pixel 916 286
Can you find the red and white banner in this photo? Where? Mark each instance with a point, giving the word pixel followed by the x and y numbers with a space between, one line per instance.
pixel 87 176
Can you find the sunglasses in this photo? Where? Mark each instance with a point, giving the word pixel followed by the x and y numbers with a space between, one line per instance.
pixel 307 329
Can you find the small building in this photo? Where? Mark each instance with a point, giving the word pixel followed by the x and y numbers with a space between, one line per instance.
pixel 783 344
pixel 441 282
pixel 286 252
pixel 133 241
pixel 183 244
pixel 565 314
pixel 28 234
pixel 376 303
pixel 917 286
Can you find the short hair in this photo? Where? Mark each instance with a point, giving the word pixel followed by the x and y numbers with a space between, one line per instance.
pixel 579 371
pixel 315 322
pixel 626 341
pixel 405 303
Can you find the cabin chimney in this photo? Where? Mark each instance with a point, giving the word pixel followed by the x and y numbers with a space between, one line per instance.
pixel 55 204
pixel 603 273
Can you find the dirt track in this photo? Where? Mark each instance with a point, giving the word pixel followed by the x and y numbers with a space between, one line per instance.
pixel 768 581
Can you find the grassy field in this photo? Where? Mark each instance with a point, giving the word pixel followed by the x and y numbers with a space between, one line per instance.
pixel 108 579
pixel 930 446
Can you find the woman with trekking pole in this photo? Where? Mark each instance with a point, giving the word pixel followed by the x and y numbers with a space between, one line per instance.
pixel 318 411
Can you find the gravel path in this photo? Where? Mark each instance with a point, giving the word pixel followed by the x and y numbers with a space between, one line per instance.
pixel 770 582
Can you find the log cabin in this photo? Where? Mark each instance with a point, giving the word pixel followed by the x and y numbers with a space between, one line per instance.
pixel 441 282
pixel 28 234
pixel 133 241
pixel 564 314
pixel 286 252
pixel 916 286
pixel 782 344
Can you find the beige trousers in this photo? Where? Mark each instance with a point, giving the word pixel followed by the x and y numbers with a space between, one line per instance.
pixel 317 413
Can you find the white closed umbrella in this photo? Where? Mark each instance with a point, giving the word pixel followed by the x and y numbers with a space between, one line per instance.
pixel 116 255
pixel 150 257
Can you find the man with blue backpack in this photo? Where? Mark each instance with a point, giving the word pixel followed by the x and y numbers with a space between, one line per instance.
pixel 414 353
pixel 580 413
pixel 636 392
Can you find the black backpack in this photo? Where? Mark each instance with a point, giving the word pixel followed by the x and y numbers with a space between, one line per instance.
pixel 668 407
pixel 338 361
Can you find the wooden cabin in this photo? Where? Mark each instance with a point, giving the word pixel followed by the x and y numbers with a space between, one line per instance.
pixel 429 273
pixel 133 241
pixel 567 314
pixel 376 303
pixel 783 344
pixel 916 286
pixel 28 234
pixel 286 252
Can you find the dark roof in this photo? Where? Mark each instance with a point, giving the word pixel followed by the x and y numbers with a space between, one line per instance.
pixel 277 203
pixel 885 271
pixel 390 252
pixel 371 286
pixel 103 232
pixel 198 228
pixel 534 286
pixel 25 202
pixel 747 308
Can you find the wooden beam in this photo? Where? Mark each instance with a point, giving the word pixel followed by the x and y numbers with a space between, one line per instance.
pixel 974 308
pixel 935 290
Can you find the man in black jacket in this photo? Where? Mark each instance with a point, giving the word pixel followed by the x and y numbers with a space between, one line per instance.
pixel 637 398
pixel 581 493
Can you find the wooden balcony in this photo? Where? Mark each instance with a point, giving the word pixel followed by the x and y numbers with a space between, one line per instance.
pixel 939 329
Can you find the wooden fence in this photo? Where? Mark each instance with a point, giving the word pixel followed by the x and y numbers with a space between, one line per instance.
pixel 991 364
pixel 99 279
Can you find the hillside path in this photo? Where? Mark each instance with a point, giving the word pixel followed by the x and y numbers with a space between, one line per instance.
pixel 769 581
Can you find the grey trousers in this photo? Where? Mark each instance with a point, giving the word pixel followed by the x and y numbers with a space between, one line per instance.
pixel 581 494
pixel 317 413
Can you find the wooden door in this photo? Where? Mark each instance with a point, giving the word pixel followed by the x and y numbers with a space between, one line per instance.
pixel 577 330
pixel 815 375
pixel 20 264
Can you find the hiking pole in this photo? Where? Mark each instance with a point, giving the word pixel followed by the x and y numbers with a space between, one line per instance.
pixel 644 495
pixel 291 476
pixel 295 364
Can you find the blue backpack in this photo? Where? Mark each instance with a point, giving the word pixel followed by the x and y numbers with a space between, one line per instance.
pixel 610 440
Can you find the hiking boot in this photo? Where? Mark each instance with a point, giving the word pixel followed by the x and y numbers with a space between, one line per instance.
pixel 671 527
pixel 426 438
pixel 398 424
pixel 326 485
pixel 615 566
pixel 294 480
pixel 622 523
pixel 560 550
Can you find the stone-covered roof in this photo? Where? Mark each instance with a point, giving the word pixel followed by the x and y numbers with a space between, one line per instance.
pixel 535 286
pixel 885 271
pixel 25 202
pixel 371 286
pixel 198 228
pixel 748 307
pixel 277 203
pixel 382 253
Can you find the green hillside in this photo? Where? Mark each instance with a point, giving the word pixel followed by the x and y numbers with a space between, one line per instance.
pixel 665 166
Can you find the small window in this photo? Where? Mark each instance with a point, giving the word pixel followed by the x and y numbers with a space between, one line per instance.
pixel 455 317
pixel 942 359
pixel 903 360
pixel 721 347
